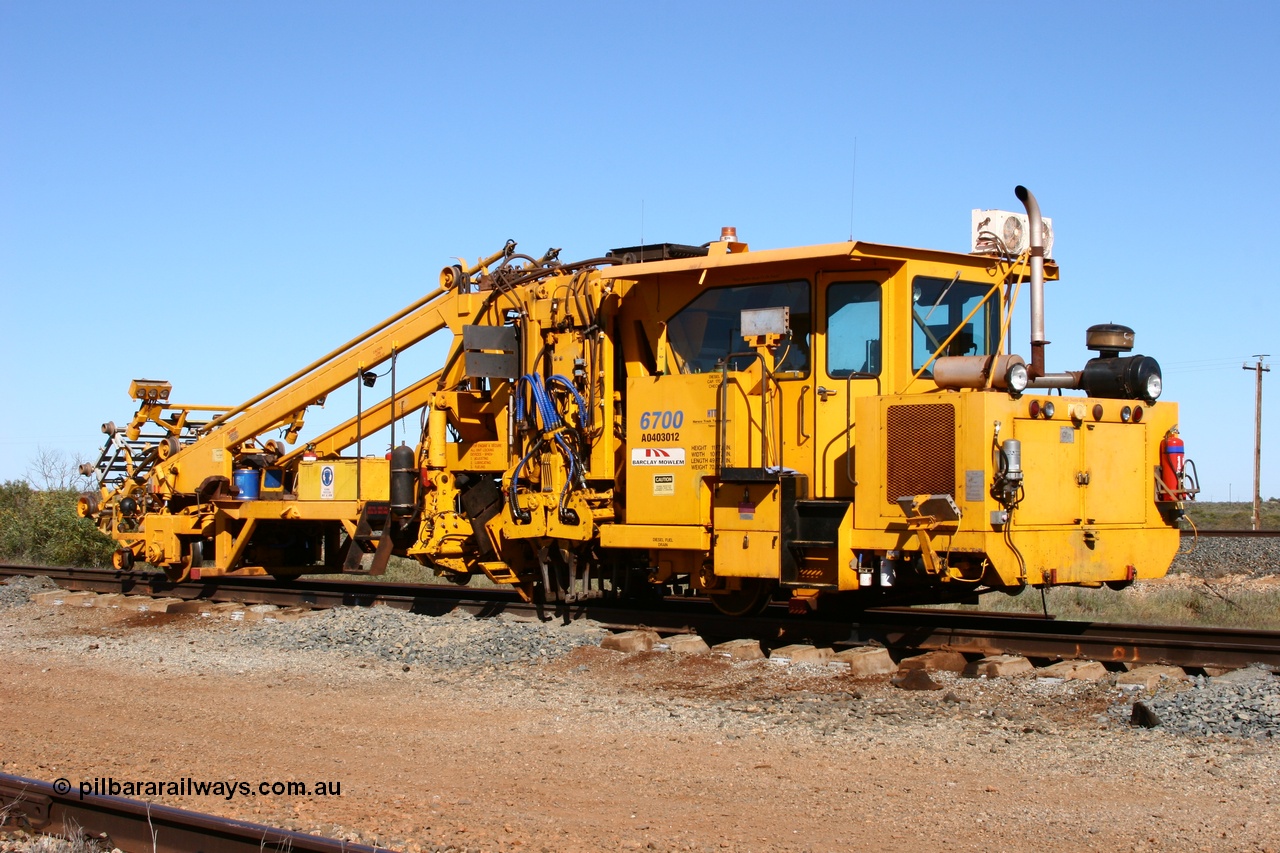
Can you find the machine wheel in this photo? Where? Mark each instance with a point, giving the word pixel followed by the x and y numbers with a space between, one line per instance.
pixel 122 559
pixel 167 447
pixel 192 558
pixel 750 599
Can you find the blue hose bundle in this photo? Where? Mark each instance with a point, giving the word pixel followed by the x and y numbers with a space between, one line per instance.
pixel 584 413
pixel 550 422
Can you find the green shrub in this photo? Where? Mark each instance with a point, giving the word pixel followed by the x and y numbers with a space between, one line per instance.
pixel 41 527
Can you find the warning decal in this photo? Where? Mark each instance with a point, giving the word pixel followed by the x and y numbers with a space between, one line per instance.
pixel 326 482
pixel 657 456
pixel 664 484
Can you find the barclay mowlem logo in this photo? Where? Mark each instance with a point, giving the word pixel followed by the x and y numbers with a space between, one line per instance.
pixel 657 456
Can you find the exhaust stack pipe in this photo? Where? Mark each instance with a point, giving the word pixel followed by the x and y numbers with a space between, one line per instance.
pixel 1036 368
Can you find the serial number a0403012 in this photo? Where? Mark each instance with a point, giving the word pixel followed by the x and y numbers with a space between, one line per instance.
pixel 660 436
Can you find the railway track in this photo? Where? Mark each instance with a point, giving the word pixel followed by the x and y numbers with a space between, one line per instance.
pixel 134 826
pixel 900 629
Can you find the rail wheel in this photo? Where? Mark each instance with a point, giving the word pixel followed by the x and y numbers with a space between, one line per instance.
pixel 749 599
pixel 192 558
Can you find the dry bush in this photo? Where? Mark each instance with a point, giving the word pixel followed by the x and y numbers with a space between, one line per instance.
pixel 1220 604
pixel 1220 515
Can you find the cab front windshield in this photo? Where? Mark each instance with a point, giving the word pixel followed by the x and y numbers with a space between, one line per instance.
pixel 938 306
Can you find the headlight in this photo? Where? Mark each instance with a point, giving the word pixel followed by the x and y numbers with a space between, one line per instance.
pixel 1154 386
pixel 1123 378
pixel 1015 378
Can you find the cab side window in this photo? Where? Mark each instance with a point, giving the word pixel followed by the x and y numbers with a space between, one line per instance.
pixel 710 327
pixel 938 308
pixel 853 329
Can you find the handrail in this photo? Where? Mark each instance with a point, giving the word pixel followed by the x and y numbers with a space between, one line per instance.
pixel 765 378
pixel 848 420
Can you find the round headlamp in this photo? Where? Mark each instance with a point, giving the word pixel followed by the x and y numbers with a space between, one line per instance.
pixel 1015 378
pixel 1154 386
pixel 1123 378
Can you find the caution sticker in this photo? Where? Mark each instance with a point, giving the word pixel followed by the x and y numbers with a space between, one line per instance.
pixel 664 484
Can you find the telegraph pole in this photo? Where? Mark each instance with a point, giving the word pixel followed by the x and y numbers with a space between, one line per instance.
pixel 1257 439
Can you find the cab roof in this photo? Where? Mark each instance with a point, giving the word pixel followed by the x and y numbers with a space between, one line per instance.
pixel 731 255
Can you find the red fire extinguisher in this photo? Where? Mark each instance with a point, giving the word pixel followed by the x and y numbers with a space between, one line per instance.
pixel 1173 456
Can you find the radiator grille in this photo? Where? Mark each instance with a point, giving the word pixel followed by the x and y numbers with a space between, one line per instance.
pixel 921 442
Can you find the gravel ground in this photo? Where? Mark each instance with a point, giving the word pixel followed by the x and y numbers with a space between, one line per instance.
pixel 19 590
pixel 1229 705
pixel 532 737
pixel 1244 703
pixel 662 730
pixel 22 843
pixel 457 645
pixel 1219 557
pixel 452 641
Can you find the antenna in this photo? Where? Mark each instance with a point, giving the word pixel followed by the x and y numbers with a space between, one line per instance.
pixel 853 185
pixel 642 230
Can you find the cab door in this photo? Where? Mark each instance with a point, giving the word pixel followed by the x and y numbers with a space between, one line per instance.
pixel 848 360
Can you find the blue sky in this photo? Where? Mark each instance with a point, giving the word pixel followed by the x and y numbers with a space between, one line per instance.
pixel 217 193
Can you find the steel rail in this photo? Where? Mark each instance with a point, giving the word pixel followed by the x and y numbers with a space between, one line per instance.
pixel 971 633
pixel 431 599
pixel 1191 647
pixel 135 826
pixel 899 628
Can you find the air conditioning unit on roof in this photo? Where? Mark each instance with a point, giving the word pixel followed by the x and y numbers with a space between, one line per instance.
pixel 1005 231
